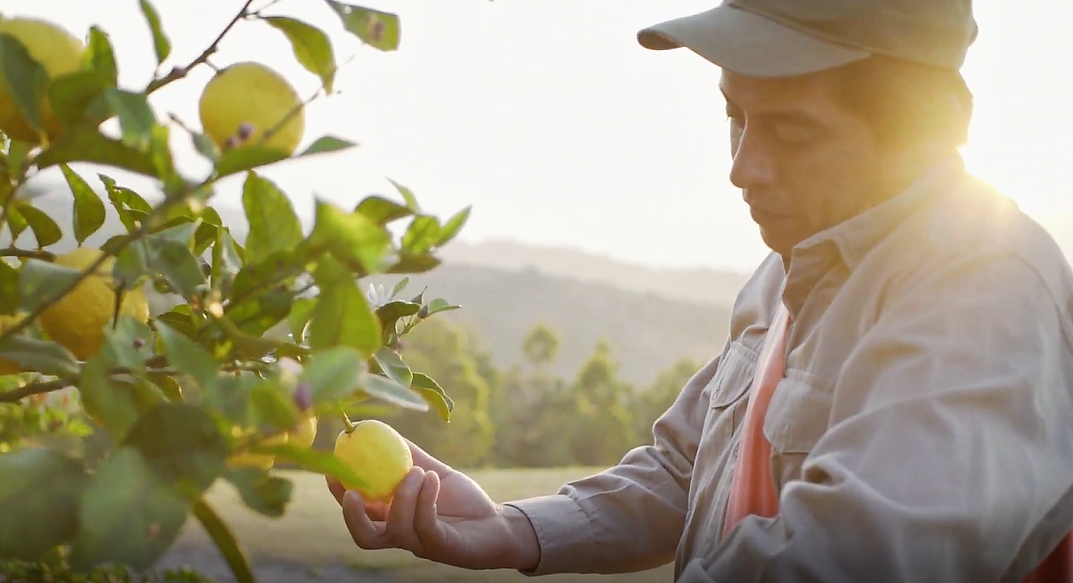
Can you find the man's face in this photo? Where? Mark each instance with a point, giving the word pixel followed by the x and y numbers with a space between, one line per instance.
pixel 803 162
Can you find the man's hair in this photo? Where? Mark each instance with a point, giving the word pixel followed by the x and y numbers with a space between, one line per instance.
pixel 907 104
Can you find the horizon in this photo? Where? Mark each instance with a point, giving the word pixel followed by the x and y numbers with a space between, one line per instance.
pixel 589 142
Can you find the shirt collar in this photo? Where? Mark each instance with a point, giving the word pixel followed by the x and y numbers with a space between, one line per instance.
pixel 850 241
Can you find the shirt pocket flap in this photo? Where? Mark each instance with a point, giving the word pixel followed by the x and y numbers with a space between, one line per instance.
pixel 734 376
pixel 798 414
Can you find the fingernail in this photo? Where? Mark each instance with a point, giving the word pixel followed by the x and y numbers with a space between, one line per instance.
pixel 351 497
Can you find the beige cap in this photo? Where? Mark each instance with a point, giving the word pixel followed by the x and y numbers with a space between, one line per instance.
pixel 778 38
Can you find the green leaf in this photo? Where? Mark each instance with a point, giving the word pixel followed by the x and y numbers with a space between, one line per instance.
pixel 401 285
pixel 390 312
pixel 326 145
pixel 129 515
pixel 25 79
pixel 380 30
pixel 15 222
pixel 263 493
pixel 88 215
pixel 85 143
pixel 183 444
pixel 273 225
pixel 225 541
pixel 321 462
pixel 187 356
pixel 438 305
pixel 129 205
pixel 100 57
pixel 41 280
pixel 342 316
pixel 136 119
pixel 333 373
pixel 407 195
pixel 413 263
pixel 161 44
pixel 9 289
pixel 129 344
pixel 431 391
pixel 452 227
pixel 230 395
pixel 311 47
pixel 391 363
pixel 245 158
pixel 381 210
pixel 39 501
pixel 205 146
pixel 391 391
pixel 158 255
pixel 226 261
pixel 32 354
pixel 112 404
pixel 46 231
pixel 298 319
pixel 421 235
pixel 77 97
pixel 351 237
pixel 272 406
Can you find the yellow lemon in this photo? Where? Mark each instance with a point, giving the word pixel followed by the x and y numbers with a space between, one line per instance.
pixel 59 52
pixel 378 454
pixel 307 432
pixel 6 322
pixel 259 460
pixel 245 100
pixel 77 321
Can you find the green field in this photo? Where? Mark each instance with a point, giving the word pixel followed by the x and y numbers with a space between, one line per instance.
pixel 313 533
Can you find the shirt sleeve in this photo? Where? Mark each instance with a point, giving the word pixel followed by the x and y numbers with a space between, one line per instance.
pixel 949 457
pixel 629 517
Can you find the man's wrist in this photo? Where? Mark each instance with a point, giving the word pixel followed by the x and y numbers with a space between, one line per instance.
pixel 525 552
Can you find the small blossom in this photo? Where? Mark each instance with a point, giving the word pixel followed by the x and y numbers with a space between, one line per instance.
pixel 245 131
pixel 303 396
pixel 376 295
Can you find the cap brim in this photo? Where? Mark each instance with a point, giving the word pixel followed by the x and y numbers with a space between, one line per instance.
pixel 747 43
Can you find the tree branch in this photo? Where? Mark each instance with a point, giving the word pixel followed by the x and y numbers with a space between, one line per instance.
pixel 15 395
pixel 181 72
pixel 27 253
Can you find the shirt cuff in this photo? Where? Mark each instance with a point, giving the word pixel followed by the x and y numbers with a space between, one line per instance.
pixel 564 532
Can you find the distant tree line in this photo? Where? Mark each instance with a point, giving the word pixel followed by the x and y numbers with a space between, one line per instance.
pixel 524 416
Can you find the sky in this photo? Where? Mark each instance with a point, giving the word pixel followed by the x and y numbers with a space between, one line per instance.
pixel 549 119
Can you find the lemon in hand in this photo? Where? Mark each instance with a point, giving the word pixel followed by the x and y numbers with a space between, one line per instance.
pixel 77 321
pixel 378 455
pixel 245 100
pixel 59 52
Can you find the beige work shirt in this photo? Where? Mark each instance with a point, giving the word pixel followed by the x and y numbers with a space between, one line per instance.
pixel 923 432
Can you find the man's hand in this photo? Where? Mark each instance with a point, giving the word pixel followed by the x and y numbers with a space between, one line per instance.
pixel 441 515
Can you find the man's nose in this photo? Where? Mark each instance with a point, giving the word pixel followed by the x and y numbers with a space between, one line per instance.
pixel 753 165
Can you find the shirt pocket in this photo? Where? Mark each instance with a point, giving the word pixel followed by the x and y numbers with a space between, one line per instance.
pixel 734 377
pixel 797 417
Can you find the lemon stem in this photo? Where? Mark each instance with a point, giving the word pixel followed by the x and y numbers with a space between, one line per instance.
pixel 346 421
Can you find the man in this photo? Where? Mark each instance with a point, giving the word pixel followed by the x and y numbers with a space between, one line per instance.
pixel 895 401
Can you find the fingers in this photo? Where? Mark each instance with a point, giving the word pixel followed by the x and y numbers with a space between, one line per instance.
pixel 403 510
pixel 426 519
pixel 336 488
pixel 374 510
pixel 367 534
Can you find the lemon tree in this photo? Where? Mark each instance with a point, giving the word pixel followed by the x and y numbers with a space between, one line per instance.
pixel 164 407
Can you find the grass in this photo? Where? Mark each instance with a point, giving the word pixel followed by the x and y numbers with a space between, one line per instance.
pixel 313 533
